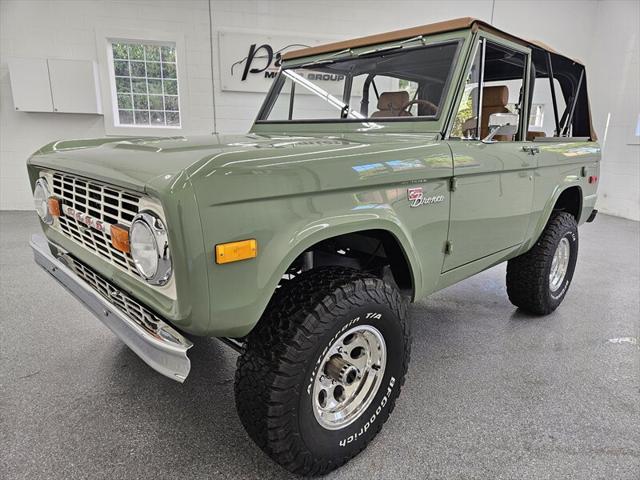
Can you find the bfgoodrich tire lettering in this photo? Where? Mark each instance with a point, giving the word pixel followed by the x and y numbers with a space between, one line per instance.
pixel 276 371
pixel 529 285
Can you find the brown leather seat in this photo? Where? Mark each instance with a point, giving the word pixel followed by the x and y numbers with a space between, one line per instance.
pixel 494 100
pixel 533 134
pixel 390 104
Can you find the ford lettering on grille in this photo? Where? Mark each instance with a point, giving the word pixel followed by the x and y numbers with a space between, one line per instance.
pixel 88 220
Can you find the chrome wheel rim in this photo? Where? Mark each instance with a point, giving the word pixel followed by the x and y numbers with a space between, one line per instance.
pixel 559 264
pixel 349 377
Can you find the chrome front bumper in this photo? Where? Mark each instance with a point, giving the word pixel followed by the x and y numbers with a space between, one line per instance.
pixel 164 350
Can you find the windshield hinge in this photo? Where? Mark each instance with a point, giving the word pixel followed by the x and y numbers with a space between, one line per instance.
pixel 453 183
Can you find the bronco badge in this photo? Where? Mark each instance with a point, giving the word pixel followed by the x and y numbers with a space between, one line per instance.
pixel 416 197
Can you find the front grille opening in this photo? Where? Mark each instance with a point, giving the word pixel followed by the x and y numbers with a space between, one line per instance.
pixel 127 304
pixel 130 207
pixel 111 201
pixel 104 203
pixel 111 211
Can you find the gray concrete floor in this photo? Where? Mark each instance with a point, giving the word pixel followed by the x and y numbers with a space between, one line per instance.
pixel 491 392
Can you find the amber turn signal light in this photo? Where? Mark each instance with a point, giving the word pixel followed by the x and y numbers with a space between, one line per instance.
pixel 120 238
pixel 53 204
pixel 235 251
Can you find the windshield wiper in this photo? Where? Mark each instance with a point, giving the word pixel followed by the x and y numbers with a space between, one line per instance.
pixel 397 46
pixel 327 60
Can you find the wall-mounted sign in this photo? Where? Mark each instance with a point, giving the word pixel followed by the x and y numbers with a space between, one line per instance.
pixel 250 61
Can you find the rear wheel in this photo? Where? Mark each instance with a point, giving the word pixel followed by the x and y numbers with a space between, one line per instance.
pixel 538 280
pixel 320 373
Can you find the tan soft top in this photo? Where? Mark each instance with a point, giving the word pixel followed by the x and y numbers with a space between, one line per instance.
pixel 430 29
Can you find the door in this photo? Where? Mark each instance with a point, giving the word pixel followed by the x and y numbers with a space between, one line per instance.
pixel 492 187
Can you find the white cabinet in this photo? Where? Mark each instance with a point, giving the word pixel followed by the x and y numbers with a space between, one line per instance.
pixel 74 86
pixel 30 84
pixel 55 85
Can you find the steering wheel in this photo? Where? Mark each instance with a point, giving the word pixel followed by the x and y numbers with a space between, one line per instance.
pixel 433 108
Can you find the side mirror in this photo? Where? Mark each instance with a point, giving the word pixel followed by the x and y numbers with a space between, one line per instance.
pixel 501 124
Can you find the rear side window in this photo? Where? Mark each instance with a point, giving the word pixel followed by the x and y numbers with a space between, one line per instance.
pixel 558 105
pixel 541 113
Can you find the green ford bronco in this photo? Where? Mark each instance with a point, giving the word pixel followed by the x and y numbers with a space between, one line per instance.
pixel 378 170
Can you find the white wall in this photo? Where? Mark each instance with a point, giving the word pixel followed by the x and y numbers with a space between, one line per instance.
pixel 614 83
pixel 589 30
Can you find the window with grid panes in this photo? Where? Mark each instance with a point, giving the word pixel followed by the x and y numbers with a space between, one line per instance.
pixel 146 84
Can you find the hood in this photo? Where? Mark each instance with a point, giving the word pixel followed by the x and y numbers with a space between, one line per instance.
pixel 135 162
pixel 128 162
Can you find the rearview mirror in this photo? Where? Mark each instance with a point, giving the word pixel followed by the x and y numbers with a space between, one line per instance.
pixel 501 124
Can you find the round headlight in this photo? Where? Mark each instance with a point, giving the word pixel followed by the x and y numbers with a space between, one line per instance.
pixel 149 247
pixel 41 196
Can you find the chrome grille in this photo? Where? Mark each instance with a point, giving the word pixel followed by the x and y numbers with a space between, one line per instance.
pixel 139 314
pixel 104 203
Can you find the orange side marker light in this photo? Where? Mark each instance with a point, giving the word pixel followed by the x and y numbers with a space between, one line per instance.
pixel 236 251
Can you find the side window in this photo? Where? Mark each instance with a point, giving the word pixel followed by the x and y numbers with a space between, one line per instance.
pixel 502 88
pixel 500 99
pixel 465 124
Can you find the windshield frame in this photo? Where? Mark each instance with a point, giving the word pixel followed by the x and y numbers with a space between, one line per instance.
pixel 278 83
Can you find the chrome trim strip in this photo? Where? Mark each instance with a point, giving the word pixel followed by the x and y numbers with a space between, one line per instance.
pixel 166 352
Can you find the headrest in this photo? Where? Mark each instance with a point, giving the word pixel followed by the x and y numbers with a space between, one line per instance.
pixel 393 100
pixel 495 96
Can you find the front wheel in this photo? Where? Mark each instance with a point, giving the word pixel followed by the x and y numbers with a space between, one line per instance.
pixel 320 373
pixel 538 280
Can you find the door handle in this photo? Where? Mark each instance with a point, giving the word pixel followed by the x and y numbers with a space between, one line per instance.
pixel 530 150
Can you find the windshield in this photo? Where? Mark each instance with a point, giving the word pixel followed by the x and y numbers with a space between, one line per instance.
pixel 400 84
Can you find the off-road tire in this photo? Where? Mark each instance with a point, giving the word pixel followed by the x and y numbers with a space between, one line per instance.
pixel 281 356
pixel 528 284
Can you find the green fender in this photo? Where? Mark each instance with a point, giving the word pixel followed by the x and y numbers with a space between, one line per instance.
pixel 537 227
pixel 235 313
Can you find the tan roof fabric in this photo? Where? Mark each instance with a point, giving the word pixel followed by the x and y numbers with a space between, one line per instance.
pixel 430 29
pixel 439 27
